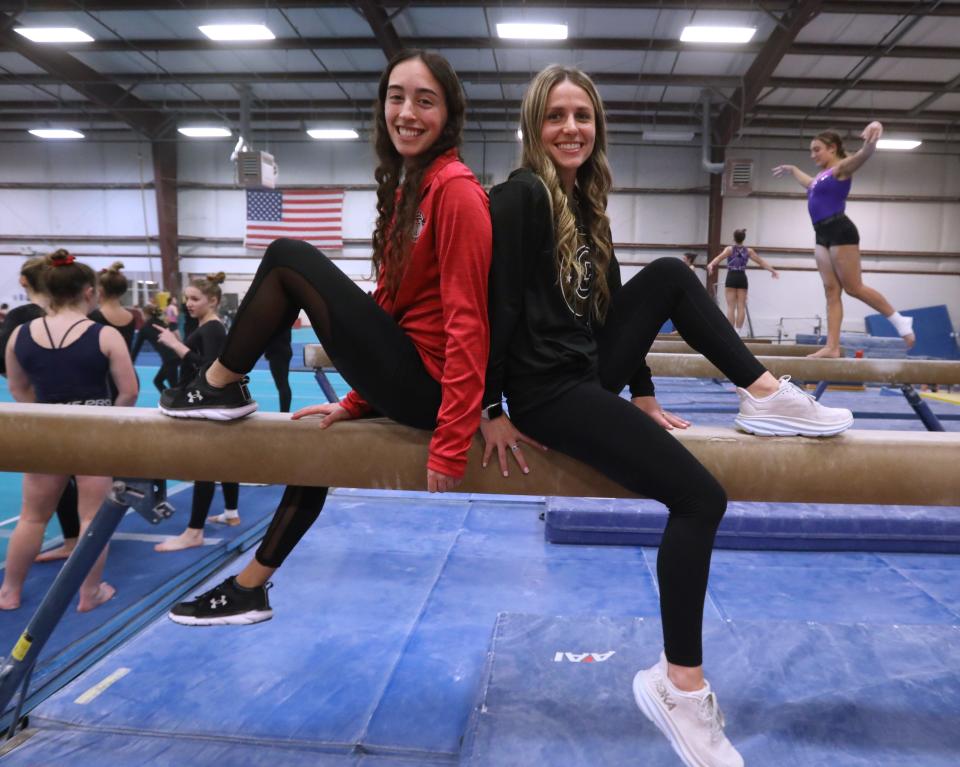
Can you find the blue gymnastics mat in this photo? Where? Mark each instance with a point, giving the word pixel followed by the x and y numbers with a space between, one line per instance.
pixel 147 582
pixel 932 327
pixel 557 691
pixel 779 526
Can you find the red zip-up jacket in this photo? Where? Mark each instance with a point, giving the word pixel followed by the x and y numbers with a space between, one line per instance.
pixel 442 304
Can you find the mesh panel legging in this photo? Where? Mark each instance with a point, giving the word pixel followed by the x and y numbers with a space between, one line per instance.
pixel 280 370
pixel 203 497
pixel 369 349
pixel 592 423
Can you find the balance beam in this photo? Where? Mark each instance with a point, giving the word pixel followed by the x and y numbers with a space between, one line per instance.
pixel 843 370
pixel 872 467
pixel 765 349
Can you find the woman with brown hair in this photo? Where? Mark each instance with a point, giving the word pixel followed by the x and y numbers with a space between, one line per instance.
pixel 426 321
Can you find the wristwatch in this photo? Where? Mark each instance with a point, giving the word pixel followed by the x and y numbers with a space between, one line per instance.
pixel 491 411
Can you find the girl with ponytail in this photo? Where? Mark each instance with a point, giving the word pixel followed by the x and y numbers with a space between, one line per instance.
pixel 63 358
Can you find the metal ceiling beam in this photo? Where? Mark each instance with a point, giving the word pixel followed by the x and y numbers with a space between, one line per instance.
pixel 848 7
pixel 281 107
pixel 510 78
pixel 383 30
pixel 656 45
pixel 759 74
pixel 63 69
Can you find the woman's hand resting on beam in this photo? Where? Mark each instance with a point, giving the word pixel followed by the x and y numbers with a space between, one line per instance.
pixel 501 434
pixel 651 407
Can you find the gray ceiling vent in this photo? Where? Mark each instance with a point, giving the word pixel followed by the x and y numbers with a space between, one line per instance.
pixel 738 178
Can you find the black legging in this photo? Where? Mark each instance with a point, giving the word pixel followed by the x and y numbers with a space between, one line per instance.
pixel 203 497
pixel 293 276
pixel 593 424
pixel 166 376
pixel 280 370
pixel 67 514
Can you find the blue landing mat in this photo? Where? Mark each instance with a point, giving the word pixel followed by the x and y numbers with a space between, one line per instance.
pixel 793 693
pixel 933 329
pixel 780 526
pixel 146 581
pixel 311 678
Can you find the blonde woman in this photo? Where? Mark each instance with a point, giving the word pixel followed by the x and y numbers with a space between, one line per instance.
pixel 566 337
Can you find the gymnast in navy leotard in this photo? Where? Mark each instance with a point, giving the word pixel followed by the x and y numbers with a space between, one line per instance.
pixel 738 256
pixel 63 359
pixel 837 249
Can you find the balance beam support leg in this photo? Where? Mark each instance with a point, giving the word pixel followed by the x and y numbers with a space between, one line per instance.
pixel 19 663
pixel 921 408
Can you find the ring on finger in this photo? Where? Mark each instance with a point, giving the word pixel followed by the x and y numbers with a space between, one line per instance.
pixel 515 447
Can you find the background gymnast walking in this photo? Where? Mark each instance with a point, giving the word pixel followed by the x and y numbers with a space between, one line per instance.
pixel 63 358
pixel 736 285
pixel 837 249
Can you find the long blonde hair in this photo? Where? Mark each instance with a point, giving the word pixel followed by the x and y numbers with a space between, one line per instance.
pixel 593 185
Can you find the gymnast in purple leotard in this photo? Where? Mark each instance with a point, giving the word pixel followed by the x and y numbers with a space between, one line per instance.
pixel 735 287
pixel 837 248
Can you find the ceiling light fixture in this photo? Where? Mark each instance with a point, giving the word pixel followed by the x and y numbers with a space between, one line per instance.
pixel 717 34
pixel 204 131
pixel 668 135
pixel 897 143
pixel 223 32
pixel 333 133
pixel 56 133
pixel 532 31
pixel 54 34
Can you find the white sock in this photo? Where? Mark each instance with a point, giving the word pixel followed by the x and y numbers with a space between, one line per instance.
pixel 231 514
pixel 902 324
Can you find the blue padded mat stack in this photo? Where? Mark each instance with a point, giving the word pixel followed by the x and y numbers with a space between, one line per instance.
pixel 558 692
pixel 874 347
pixel 779 526
pixel 932 327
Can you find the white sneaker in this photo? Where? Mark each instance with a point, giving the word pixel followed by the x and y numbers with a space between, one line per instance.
pixel 692 721
pixel 790 412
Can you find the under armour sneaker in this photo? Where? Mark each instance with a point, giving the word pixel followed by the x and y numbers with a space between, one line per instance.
pixel 790 412
pixel 198 399
pixel 225 604
pixel 692 721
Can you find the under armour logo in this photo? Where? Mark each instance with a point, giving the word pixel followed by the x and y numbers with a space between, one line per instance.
pixel 664 695
pixel 218 602
pixel 194 396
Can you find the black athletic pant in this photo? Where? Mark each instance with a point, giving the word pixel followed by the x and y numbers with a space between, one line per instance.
pixel 293 276
pixel 280 370
pixel 67 514
pixel 593 424
pixel 203 497
pixel 166 377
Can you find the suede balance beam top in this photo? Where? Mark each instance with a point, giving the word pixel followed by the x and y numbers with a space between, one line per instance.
pixel 871 467
pixel 843 370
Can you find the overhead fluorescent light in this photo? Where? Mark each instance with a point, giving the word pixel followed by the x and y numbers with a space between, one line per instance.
pixel 717 34
pixel 532 31
pixel 333 133
pixel 55 133
pixel 896 143
pixel 237 32
pixel 54 34
pixel 668 135
pixel 201 131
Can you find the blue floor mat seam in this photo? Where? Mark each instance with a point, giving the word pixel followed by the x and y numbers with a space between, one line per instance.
pixel 388 678
pixel 913 582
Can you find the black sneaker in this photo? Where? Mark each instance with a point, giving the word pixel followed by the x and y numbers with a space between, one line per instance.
pixel 225 604
pixel 198 399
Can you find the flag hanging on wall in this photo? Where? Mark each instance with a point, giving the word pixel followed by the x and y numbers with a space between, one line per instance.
pixel 314 215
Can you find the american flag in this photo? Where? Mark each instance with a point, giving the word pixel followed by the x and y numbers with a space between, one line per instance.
pixel 313 215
